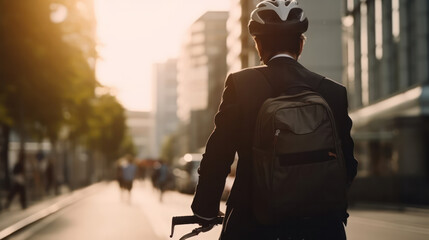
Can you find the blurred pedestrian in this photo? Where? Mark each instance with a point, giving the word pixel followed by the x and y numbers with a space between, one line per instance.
pixel 18 183
pixel 161 177
pixel 50 176
pixel 129 170
pixel 119 173
pixel 154 174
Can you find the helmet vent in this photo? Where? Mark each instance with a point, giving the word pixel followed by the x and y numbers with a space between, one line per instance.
pixel 278 15
pixel 295 14
pixel 269 16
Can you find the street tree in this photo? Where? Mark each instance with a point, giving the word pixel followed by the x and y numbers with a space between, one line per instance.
pixel 107 127
pixel 45 74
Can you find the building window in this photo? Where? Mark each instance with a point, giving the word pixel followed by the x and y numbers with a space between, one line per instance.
pixel 412 41
pixel 378 30
pixel 395 20
pixel 350 5
pixel 364 53
pixel 350 52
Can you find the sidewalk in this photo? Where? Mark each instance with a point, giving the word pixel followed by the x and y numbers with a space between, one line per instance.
pixel 15 218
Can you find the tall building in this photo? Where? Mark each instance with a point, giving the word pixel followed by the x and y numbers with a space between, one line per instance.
pixel 201 75
pixel 241 49
pixel 164 102
pixel 386 59
pixel 140 125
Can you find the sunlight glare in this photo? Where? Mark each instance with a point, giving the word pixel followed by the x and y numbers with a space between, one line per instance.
pixel 132 35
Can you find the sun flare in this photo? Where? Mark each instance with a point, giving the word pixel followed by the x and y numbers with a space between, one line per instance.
pixel 132 35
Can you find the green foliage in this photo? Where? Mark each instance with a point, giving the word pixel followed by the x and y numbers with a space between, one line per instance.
pixel 43 75
pixel 47 77
pixel 127 146
pixel 107 127
pixel 4 116
pixel 29 62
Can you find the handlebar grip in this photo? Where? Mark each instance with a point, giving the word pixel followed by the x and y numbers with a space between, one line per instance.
pixel 179 220
pixel 184 220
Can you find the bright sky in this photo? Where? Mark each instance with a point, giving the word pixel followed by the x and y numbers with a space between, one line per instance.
pixel 134 34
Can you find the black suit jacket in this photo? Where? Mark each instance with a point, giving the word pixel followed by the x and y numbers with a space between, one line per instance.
pixel 244 93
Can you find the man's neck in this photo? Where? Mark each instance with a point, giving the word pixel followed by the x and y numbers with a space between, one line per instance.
pixel 283 54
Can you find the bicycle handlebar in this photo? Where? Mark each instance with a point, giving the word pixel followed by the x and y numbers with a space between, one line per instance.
pixel 180 220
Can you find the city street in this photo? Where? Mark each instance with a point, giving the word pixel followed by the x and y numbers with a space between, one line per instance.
pixel 97 92
pixel 105 214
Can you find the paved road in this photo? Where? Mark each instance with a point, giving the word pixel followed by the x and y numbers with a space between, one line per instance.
pixel 101 215
pixel 110 214
pixel 106 215
pixel 388 225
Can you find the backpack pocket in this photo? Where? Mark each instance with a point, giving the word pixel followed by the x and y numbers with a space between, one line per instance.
pixel 308 189
pixel 262 184
pixel 291 159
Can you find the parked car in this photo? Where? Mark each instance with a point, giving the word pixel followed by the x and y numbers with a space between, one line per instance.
pixel 186 172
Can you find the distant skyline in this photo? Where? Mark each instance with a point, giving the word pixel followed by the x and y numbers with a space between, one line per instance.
pixel 134 34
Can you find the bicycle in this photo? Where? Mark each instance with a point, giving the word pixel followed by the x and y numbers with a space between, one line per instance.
pixel 205 225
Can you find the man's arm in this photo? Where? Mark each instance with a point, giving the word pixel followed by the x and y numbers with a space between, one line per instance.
pixel 348 144
pixel 219 155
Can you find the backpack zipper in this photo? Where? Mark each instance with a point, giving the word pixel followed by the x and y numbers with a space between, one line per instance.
pixel 276 136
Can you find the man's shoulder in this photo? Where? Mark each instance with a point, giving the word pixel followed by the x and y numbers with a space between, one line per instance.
pixel 249 71
pixel 251 76
pixel 333 92
pixel 321 79
pixel 330 83
pixel 325 82
pixel 250 83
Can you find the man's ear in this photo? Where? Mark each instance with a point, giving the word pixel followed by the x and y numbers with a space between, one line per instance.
pixel 256 41
pixel 301 44
pixel 257 46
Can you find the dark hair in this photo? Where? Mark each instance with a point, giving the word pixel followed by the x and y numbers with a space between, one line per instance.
pixel 274 44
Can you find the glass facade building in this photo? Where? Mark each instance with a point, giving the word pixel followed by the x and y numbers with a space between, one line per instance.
pixel 164 102
pixel 386 72
pixel 201 74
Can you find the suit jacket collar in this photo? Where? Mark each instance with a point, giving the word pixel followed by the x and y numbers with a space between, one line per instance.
pixel 282 60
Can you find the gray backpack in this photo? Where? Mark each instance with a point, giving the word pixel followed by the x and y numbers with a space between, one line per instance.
pixel 298 164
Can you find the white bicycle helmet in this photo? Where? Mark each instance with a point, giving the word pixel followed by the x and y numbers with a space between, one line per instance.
pixel 278 17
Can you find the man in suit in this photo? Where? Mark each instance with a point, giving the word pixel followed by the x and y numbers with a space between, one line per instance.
pixel 277 28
